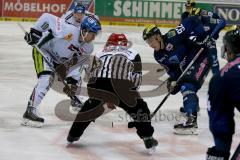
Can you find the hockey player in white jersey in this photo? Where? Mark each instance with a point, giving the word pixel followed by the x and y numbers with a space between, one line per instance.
pixel 60 45
pixel 76 15
pixel 75 18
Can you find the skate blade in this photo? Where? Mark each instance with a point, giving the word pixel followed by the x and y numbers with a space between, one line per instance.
pixel 191 131
pixel 30 123
pixel 151 150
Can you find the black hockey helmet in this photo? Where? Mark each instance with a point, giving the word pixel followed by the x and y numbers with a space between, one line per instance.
pixel 195 11
pixel 190 3
pixel 149 31
pixel 232 39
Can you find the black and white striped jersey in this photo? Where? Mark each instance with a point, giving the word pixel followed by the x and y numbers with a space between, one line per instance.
pixel 118 63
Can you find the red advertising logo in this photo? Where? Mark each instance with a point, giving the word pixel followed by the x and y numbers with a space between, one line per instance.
pixel 1 2
pixel 33 8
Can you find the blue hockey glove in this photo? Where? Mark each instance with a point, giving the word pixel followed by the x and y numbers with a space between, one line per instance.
pixel 207 42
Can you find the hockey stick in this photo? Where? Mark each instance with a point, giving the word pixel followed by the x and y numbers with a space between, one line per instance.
pixel 159 86
pixel 132 124
pixel 236 155
pixel 74 98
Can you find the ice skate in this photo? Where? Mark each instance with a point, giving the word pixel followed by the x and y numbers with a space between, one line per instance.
pixel 189 127
pixel 30 118
pixel 150 144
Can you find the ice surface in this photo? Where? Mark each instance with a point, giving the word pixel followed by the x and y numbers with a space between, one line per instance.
pixel 101 141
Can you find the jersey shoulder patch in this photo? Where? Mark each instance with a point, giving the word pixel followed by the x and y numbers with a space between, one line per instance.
pixel 171 33
pixel 68 37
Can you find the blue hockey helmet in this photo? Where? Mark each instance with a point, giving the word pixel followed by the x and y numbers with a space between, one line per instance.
pixel 91 24
pixel 79 8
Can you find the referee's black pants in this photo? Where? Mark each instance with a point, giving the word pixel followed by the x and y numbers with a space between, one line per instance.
pixel 118 92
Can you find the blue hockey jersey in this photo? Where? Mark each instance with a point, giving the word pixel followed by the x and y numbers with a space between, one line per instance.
pixel 224 89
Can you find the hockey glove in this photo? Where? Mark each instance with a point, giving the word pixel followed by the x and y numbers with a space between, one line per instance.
pixel 212 154
pixel 33 36
pixel 70 91
pixel 172 86
pixel 207 42
pixel 61 70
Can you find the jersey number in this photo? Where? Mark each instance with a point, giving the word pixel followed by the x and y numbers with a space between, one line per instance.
pixel 180 29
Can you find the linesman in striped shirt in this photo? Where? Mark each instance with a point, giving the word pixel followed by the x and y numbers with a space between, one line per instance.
pixel 115 77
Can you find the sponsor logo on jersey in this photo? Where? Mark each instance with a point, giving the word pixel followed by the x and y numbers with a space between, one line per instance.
pixel 58 26
pixel 169 47
pixel 201 69
pixel 68 37
pixel 228 66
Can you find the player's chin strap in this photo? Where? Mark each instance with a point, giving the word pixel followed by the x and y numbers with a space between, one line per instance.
pixel 83 35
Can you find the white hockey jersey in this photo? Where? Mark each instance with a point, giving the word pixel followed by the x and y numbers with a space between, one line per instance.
pixel 68 17
pixel 62 41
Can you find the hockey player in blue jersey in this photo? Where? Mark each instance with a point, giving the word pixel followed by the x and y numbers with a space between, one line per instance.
pixel 188 5
pixel 175 50
pixel 211 22
pixel 224 96
pixel 171 51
